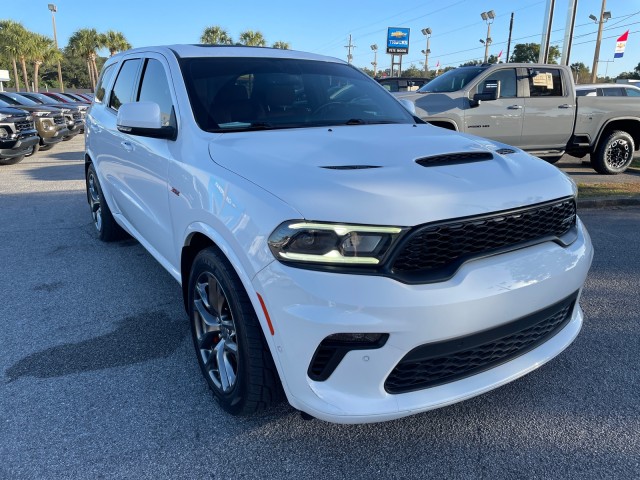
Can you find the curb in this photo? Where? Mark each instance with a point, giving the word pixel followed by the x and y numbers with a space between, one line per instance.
pixel 612 201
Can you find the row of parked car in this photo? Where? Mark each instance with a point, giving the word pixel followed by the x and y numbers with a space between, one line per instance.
pixel 31 121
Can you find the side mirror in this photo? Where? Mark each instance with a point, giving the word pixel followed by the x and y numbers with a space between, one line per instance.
pixel 490 91
pixel 144 119
pixel 408 105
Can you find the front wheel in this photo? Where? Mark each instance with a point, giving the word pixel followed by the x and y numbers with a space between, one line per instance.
pixel 231 350
pixel 614 154
pixel 106 227
pixel 11 161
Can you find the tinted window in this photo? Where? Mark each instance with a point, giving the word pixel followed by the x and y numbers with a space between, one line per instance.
pixel 259 93
pixel 123 89
pixel 155 88
pixel 584 93
pixel 632 92
pixel 545 82
pixel 452 80
pixel 613 92
pixel 508 83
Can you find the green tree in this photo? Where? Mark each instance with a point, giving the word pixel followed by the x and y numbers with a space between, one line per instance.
pixel 215 35
pixel 530 52
pixel 581 73
pixel 471 63
pixel 368 71
pixel 252 39
pixel 281 45
pixel 12 36
pixel 413 71
pixel 83 44
pixel 114 41
pixel 42 49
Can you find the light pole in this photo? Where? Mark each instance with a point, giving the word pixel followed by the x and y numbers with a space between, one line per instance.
pixel 604 16
pixel 54 9
pixel 488 17
pixel 374 47
pixel 427 33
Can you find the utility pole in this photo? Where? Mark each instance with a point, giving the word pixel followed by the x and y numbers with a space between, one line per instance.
pixel 54 9
pixel 509 42
pixel 604 16
pixel 349 48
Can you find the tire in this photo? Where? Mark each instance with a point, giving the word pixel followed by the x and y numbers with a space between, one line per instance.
pixel 551 160
pixel 232 353
pixel 11 161
pixel 44 148
pixel 614 153
pixel 36 149
pixel 106 227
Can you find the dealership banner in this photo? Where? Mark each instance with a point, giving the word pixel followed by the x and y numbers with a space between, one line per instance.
pixel 621 44
pixel 398 41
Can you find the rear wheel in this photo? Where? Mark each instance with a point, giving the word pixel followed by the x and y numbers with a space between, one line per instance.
pixel 229 343
pixel 614 154
pixel 106 227
pixel 11 161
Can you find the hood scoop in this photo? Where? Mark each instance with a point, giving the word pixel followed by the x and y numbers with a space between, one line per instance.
pixel 454 159
pixel 350 167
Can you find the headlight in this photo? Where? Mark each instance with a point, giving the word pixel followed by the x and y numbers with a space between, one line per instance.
pixel 332 244
pixel 3 133
pixel 2 116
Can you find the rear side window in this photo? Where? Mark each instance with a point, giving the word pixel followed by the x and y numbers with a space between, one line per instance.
pixel 613 92
pixel 586 93
pixel 632 92
pixel 545 82
pixel 124 87
pixel 104 79
pixel 155 88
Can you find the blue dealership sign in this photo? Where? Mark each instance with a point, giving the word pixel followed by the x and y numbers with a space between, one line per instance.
pixel 398 41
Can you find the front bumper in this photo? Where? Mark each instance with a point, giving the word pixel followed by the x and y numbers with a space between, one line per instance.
pixel 49 131
pixel 16 147
pixel 307 306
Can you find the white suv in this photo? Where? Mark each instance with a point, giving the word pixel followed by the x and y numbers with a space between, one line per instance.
pixel 330 245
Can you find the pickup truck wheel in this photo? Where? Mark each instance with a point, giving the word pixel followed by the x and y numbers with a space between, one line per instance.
pixel 11 161
pixel 36 149
pixel 614 154
pixel 231 349
pixel 44 148
pixel 552 160
pixel 107 228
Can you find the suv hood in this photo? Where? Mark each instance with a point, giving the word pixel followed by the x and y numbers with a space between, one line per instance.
pixel 292 164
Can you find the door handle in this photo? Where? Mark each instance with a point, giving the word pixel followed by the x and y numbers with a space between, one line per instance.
pixel 127 146
pixel 514 107
pixel 565 105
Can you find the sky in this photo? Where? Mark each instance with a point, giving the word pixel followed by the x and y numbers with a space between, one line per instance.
pixel 324 26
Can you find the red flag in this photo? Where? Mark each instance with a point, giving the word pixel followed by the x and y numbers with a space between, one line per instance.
pixel 621 44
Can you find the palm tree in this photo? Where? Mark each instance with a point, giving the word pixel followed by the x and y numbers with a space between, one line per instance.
pixel 84 43
pixel 252 39
pixel 281 45
pixel 12 35
pixel 42 50
pixel 215 35
pixel 115 42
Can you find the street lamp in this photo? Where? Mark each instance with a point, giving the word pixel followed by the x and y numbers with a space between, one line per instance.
pixel 604 16
pixel 54 9
pixel 488 17
pixel 374 47
pixel 427 33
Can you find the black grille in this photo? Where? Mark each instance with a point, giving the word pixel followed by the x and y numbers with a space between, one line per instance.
pixel 454 159
pixel 77 116
pixel 58 119
pixel 24 125
pixel 434 252
pixel 443 362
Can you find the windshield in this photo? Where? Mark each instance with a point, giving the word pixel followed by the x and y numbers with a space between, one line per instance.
pixel 17 99
pixel 236 94
pixel 452 80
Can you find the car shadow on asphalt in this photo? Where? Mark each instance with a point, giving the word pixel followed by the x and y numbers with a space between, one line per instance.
pixel 137 339
pixel 57 172
pixel 68 155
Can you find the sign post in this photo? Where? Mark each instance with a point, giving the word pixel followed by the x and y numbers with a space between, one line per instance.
pixel 397 45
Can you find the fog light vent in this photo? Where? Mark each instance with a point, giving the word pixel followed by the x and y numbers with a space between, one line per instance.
pixel 333 348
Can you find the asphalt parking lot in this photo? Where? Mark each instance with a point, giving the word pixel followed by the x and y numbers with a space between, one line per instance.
pixel 99 379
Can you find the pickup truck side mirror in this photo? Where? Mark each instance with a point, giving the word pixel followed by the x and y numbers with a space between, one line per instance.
pixel 490 90
pixel 144 119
